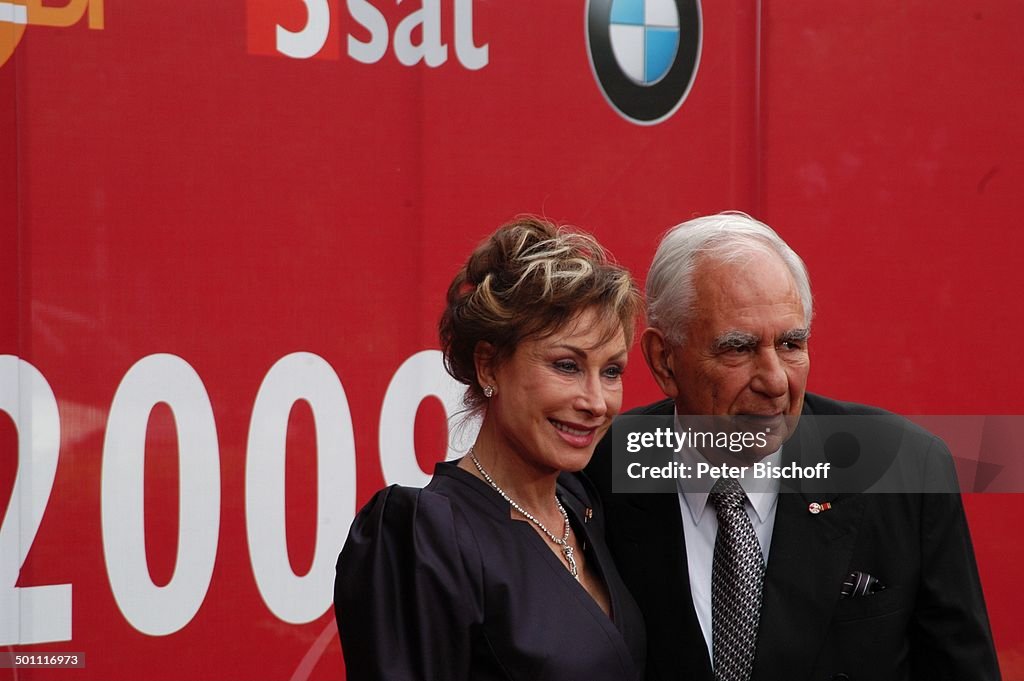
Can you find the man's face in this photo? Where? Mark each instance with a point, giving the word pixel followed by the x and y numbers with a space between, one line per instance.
pixel 745 352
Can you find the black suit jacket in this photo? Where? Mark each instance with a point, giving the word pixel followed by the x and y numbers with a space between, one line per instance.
pixel 929 623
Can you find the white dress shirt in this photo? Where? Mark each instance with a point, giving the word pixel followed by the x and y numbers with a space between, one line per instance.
pixel 700 525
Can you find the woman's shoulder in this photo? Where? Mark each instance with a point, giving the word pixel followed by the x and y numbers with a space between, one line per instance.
pixel 439 515
pixel 397 513
pixel 442 491
pixel 408 580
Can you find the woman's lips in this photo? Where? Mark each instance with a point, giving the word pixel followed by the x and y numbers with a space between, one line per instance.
pixel 575 434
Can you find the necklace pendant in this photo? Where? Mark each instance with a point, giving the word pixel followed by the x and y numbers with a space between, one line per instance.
pixel 563 543
pixel 571 560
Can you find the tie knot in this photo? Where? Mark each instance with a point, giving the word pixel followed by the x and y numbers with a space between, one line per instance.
pixel 727 494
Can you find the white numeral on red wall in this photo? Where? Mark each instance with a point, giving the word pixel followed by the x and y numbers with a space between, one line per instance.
pixel 29 614
pixel 310 40
pixel 298 376
pixel 41 613
pixel 160 610
pixel 419 377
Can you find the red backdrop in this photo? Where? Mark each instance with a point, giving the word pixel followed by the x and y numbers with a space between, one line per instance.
pixel 184 207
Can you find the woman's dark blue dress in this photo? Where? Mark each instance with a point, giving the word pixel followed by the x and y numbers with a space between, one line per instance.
pixel 442 583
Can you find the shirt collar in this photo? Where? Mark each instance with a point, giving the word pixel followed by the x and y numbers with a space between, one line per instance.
pixel 761 493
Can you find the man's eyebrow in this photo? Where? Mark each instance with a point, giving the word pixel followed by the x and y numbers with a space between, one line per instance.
pixel 799 335
pixel 735 339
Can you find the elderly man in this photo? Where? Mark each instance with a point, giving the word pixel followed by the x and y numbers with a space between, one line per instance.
pixel 787 584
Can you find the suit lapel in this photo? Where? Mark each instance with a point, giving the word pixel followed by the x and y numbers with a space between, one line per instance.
pixel 809 556
pixel 653 521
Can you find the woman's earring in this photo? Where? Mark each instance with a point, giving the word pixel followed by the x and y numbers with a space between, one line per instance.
pixel 488 391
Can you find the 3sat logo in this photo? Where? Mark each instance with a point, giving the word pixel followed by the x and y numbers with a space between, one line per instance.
pixel 430 32
pixel 16 15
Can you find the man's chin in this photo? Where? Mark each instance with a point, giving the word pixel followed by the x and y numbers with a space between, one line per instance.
pixel 751 430
pixel 750 439
pixel 743 459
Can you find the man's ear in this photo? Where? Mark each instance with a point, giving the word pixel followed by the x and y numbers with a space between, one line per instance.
pixel 484 362
pixel 658 354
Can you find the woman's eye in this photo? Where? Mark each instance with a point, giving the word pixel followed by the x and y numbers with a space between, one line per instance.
pixel 613 372
pixel 566 365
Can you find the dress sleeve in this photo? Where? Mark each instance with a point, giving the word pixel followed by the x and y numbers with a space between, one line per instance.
pixel 405 596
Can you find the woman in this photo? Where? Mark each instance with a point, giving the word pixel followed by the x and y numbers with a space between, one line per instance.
pixel 498 568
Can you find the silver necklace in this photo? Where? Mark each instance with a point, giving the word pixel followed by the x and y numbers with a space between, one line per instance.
pixel 562 543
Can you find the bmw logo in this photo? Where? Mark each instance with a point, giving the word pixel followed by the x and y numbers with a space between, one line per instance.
pixel 644 54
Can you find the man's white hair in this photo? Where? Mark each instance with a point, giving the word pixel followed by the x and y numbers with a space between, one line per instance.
pixel 726 237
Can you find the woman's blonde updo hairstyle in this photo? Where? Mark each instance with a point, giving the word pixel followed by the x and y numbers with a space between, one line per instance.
pixel 527 280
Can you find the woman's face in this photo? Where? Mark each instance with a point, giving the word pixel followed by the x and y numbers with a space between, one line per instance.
pixel 556 396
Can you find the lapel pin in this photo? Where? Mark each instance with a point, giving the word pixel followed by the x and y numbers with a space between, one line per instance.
pixel 817 508
pixel 588 514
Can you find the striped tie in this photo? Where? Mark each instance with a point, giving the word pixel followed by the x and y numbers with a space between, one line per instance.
pixel 737 575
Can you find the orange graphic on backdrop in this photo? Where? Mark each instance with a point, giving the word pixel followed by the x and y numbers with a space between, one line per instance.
pixel 15 15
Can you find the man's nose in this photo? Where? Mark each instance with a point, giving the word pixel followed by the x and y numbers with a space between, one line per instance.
pixel 770 376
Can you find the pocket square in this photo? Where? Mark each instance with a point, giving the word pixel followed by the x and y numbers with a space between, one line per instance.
pixel 859 583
